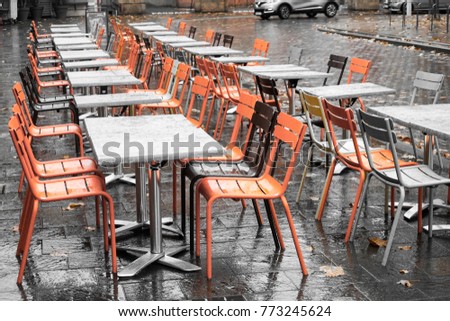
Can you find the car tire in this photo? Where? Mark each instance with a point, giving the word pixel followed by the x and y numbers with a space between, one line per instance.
pixel 265 17
pixel 330 9
pixel 284 11
pixel 311 14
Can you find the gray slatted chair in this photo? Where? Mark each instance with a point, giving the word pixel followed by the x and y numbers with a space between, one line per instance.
pixel 295 55
pixel 432 83
pixel 376 129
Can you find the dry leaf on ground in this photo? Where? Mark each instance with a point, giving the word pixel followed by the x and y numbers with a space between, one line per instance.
pixel 332 271
pixel 405 248
pixel 405 283
pixel 73 206
pixel 15 228
pixel 403 271
pixel 314 198
pixel 90 228
pixel 375 241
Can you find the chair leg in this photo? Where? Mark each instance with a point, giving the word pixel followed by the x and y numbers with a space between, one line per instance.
pixel 21 181
pixel 419 211
pixel 294 235
pixel 97 211
pixel 305 170
pixel 325 191
pixel 211 110
pixel 219 117
pixel 113 235
pixel 394 226
pixel 105 225
pixel 257 212
pixel 191 215
pixel 386 200
pixel 183 200
pixel 392 202
pixel 244 204
pixel 209 240
pixel 362 178
pixel 359 209
pixel 438 151
pixel 273 214
pixel 27 241
pixel 25 209
pixel 224 118
pixel 411 136
pixel 430 212
pixel 174 189
pixel 197 222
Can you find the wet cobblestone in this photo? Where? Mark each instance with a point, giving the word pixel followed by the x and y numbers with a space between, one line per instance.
pixel 67 261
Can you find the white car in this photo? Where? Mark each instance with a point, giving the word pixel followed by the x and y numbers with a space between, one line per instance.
pixel 284 8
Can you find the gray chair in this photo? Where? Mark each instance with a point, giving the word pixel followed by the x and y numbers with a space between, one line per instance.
pixel 377 130
pixel 295 55
pixel 432 83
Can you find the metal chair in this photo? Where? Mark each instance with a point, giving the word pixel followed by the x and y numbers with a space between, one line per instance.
pixel 336 62
pixel 381 130
pixel 288 134
pixel 209 36
pixel 357 67
pixel 295 55
pixel 433 83
pixel 228 40
pixel 216 40
pixel 181 28
pixel 268 91
pixel 192 31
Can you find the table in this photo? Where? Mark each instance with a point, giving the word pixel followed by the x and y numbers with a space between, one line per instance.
pixel 160 33
pixel 162 138
pixel 242 60
pixel 87 46
pixel 254 70
pixel 71 41
pixel 212 51
pixel 178 45
pixel 65 35
pixel 171 39
pixel 137 24
pixel 429 119
pixel 83 54
pixel 85 64
pixel 345 91
pixel 65 29
pixel 64 25
pixel 150 28
pixel 116 100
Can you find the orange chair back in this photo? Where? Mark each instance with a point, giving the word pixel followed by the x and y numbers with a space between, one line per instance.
pixel 200 89
pixel 169 23
pixel 181 78
pixel 213 75
pixel 100 34
pixel 146 67
pixel 209 36
pixel 181 28
pixel 231 80
pixel 200 62
pixel 22 106
pixel 164 79
pixel 160 50
pixel 244 112
pixel 359 66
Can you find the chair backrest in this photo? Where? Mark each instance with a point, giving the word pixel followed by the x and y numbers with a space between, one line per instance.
pixel 181 28
pixel 192 31
pixel 169 23
pixel 295 55
pixel 147 43
pixel 244 112
pixel 427 81
pixel 359 66
pixel 164 79
pixel 343 118
pixel 146 68
pixel 313 109
pixel 287 134
pixel 21 105
pixel 230 78
pixel 200 90
pixel 269 92
pixel 228 40
pixel 181 79
pixel 217 37
pixel 160 51
pixel 133 57
pixel 260 48
pixel 209 36
pixel 378 130
pixel 213 75
pixel 336 62
pixel 100 34
pixel 200 62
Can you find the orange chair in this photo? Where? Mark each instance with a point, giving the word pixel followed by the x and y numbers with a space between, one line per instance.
pixel 169 23
pixel 181 28
pixel 99 40
pixel 289 132
pixel 200 63
pixel 131 60
pixel 145 69
pixel 164 80
pixel 173 104
pixel 359 67
pixel 56 190
pixel 35 31
pixel 200 89
pixel 343 118
pixel 45 71
pixel 260 48
pixel 209 36
pixel 43 84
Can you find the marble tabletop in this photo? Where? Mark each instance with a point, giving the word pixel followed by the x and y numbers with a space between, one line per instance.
pixel 137 24
pixel 65 35
pixel 177 45
pixel 160 33
pixel 65 29
pixel 212 51
pixel 83 54
pixel 72 41
pixel 150 28
pixel 64 25
pixel 171 39
pixel 84 46
pixel 254 70
pixel 97 78
pixel 240 59
pixel 294 75
pixel 115 100
pixel 142 139
pixel 96 63
pixel 430 119
pixel 349 90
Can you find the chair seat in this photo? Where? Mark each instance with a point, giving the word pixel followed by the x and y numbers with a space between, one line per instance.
pixel 245 169
pixel 53 130
pixel 265 187
pixel 78 187
pixel 66 167
pixel 50 106
pixel 54 99
pixel 382 159
pixel 417 176
pixel 54 83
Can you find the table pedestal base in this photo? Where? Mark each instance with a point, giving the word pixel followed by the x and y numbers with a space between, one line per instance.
pixel 118 175
pixel 127 226
pixel 149 258
pixel 411 213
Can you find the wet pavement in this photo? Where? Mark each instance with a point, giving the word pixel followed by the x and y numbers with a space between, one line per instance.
pixel 67 261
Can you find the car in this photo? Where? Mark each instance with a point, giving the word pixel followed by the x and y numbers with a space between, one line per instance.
pixel 399 6
pixel 284 8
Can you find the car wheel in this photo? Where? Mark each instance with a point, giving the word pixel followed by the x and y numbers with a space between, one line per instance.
pixel 311 14
pixel 330 9
pixel 265 17
pixel 284 11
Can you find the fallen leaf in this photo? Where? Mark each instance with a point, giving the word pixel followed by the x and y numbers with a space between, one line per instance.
pixel 446 155
pixel 90 228
pixel 403 271
pixel 332 271
pixel 73 206
pixel 405 283
pixel 314 198
pixel 15 228
pixel 375 241
pixel 66 156
pixel 405 248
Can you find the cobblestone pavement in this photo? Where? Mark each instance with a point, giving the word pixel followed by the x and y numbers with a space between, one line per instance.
pixel 67 261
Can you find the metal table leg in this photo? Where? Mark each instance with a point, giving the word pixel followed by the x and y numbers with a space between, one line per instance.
pixel 156 253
